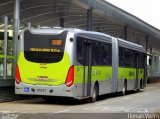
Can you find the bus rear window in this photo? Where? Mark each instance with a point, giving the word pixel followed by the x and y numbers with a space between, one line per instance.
pixel 42 48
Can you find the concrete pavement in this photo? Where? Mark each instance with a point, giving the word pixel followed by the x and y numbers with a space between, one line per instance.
pixel 147 101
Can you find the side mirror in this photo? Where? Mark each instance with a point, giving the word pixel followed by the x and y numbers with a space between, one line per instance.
pixel 150 61
pixel 18 37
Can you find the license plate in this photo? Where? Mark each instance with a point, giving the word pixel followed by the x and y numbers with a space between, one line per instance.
pixel 41 90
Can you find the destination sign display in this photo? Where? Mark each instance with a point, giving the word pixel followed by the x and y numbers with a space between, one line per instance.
pixel 45 50
pixel 56 42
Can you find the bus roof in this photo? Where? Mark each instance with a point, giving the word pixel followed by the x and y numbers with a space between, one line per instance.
pixel 89 34
pixel 131 45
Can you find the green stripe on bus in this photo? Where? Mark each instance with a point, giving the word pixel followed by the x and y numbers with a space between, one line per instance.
pixel 102 73
pixel 8 56
pixel 99 73
pixel 129 73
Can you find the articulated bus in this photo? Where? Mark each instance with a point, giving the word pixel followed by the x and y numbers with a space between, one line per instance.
pixel 74 63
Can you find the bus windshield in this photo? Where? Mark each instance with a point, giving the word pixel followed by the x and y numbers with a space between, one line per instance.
pixel 44 48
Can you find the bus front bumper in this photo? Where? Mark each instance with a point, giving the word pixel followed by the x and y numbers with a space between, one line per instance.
pixel 28 89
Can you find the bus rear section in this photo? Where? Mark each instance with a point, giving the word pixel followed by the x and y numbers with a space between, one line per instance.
pixel 44 66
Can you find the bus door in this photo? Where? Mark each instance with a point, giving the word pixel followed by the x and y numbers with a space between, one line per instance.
pixel 136 81
pixel 87 68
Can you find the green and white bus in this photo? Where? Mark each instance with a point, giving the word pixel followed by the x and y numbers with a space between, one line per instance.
pixel 75 63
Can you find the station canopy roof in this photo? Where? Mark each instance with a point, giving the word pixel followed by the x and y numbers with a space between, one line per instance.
pixel 107 18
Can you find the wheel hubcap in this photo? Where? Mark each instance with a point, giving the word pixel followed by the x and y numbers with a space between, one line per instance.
pixel 124 90
pixel 94 94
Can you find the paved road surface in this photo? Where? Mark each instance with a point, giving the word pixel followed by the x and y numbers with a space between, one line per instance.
pixel 147 101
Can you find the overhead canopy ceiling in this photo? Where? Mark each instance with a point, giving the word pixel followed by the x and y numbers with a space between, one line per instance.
pixel 106 18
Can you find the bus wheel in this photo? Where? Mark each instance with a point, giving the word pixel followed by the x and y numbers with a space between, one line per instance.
pixel 124 89
pixel 141 84
pixel 47 99
pixel 140 87
pixel 95 94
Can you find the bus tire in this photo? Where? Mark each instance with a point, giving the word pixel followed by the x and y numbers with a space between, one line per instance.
pixel 140 86
pixel 47 98
pixel 95 94
pixel 124 89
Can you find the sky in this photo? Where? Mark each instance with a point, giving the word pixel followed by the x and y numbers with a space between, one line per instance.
pixel 147 10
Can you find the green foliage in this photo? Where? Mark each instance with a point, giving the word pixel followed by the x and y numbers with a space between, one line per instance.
pixel 9 52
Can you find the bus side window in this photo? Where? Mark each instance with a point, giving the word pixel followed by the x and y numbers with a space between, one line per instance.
pixel 79 50
pixel 132 59
pixel 140 61
pixel 110 54
pixel 93 60
pixel 96 53
pixel 121 57
pixel 105 59
pixel 127 58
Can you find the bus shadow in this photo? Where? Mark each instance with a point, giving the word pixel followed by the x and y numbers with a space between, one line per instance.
pixel 118 94
pixel 64 101
pixel 72 102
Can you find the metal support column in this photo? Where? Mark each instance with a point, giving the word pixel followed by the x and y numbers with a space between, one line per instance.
pixel 16 19
pixel 61 20
pixel 5 47
pixel 125 32
pixel 147 43
pixel 146 72
pixel 89 19
pixel 151 49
